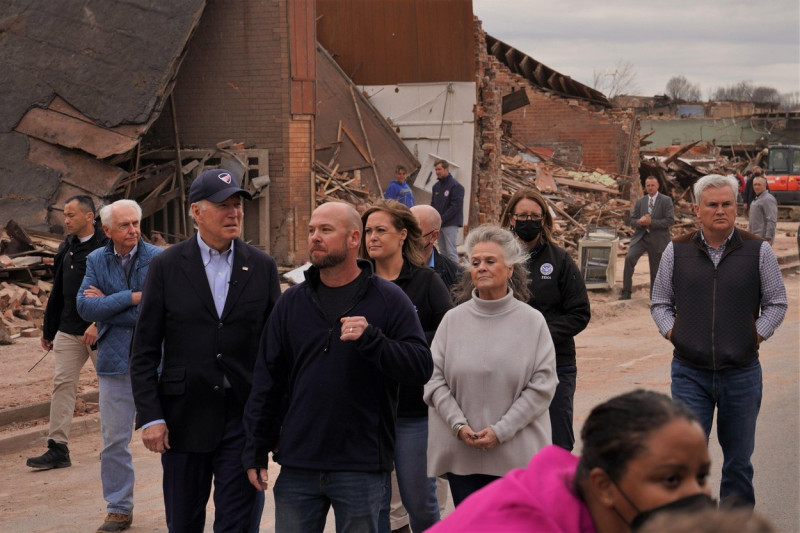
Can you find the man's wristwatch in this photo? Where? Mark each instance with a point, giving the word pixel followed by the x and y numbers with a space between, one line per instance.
pixel 457 428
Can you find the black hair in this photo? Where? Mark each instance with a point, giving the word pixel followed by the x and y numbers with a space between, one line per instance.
pixel 615 431
pixel 86 203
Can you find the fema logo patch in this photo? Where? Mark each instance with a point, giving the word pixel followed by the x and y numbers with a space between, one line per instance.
pixel 546 269
pixel 225 177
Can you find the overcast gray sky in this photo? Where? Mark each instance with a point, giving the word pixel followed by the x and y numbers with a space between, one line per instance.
pixel 713 43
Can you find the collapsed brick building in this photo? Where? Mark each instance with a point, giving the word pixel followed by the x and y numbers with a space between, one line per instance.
pixel 244 84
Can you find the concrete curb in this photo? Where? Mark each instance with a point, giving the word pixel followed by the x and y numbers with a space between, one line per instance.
pixel 23 413
pixel 29 438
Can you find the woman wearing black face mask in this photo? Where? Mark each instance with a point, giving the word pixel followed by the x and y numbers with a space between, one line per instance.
pixel 643 454
pixel 558 292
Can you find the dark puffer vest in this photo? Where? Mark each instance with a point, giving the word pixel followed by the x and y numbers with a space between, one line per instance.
pixel 716 307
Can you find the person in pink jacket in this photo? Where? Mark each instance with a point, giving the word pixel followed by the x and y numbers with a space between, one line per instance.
pixel 642 453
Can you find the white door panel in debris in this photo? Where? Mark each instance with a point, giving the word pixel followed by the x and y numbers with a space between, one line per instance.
pixel 432 118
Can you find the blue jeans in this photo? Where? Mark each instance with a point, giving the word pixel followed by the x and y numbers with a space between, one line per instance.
pixel 417 490
pixel 303 497
pixel 448 241
pixel 736 394
pixel 116 426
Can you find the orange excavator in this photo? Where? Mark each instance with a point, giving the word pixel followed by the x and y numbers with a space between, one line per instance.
pixel 783 179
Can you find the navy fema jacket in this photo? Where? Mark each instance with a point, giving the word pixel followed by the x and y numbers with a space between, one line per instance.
pixel 114 313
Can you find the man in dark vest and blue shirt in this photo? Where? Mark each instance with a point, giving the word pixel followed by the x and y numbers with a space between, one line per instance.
pixel 728 287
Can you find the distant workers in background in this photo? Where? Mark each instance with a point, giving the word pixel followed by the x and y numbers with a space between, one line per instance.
pixel 398 189
pixel 448 200
pixel 653 214
pixel 763 211
pixel 64 331
pixel 748 196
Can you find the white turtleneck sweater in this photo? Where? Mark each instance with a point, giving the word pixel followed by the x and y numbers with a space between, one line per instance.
pixel 494 365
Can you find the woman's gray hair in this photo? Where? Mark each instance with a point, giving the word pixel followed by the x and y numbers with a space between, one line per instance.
pixel 513 254
pixel 714 181
pixel 107 212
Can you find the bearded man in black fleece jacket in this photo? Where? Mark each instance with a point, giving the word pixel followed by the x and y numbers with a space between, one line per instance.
pixel 324 395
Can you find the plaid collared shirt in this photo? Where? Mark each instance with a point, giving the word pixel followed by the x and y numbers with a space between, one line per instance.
pixel 773 292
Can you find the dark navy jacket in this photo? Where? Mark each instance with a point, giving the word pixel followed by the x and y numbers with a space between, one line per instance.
pixel 448 200
pixel 329 404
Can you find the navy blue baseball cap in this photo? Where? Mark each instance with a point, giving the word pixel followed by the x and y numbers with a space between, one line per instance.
pixel 216 186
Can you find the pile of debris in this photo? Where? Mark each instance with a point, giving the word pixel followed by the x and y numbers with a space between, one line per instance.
pixel 583 198
pixel 579 197
pixel 334 185
pixel 26 271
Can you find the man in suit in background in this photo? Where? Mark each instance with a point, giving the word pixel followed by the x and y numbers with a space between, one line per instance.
pixel 653 214
pixel 206 301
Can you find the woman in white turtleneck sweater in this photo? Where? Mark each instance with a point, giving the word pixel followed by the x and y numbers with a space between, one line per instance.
pixel 494 371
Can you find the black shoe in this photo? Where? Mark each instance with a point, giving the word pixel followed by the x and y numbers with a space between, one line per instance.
pixel 624 295
pixel 116 522
pixel 57 456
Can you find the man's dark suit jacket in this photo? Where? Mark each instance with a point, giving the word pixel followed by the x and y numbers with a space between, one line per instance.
pixel 662 217
pixel 199 348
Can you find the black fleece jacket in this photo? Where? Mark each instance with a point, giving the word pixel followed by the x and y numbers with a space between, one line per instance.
pixel 328 404
pixel 558 292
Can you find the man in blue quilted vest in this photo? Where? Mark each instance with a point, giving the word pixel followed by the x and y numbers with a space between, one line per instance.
pixel 109 296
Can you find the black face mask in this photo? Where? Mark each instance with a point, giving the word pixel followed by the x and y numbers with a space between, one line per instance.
pixel 528 230
pixel 695 502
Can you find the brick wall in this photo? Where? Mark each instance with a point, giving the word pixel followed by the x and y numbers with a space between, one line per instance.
pixel 487 187
pixel 234 84
pixel 578 131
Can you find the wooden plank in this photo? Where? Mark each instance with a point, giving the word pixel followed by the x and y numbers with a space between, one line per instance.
pixel 584 186
pixel 82 171
pixel 680 152
pixel 515 100
pixel 358 146
pixel 366 140
pixel 70 132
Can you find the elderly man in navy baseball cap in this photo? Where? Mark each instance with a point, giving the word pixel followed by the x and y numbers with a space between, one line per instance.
pixel 215 199
pixel 204 302
pixel 215 185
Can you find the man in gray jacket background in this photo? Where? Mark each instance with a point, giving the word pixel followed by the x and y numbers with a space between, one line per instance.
pixel 763 211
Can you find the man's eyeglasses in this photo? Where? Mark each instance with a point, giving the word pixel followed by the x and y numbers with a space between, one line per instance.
pixel 429 233
pixel 519 217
